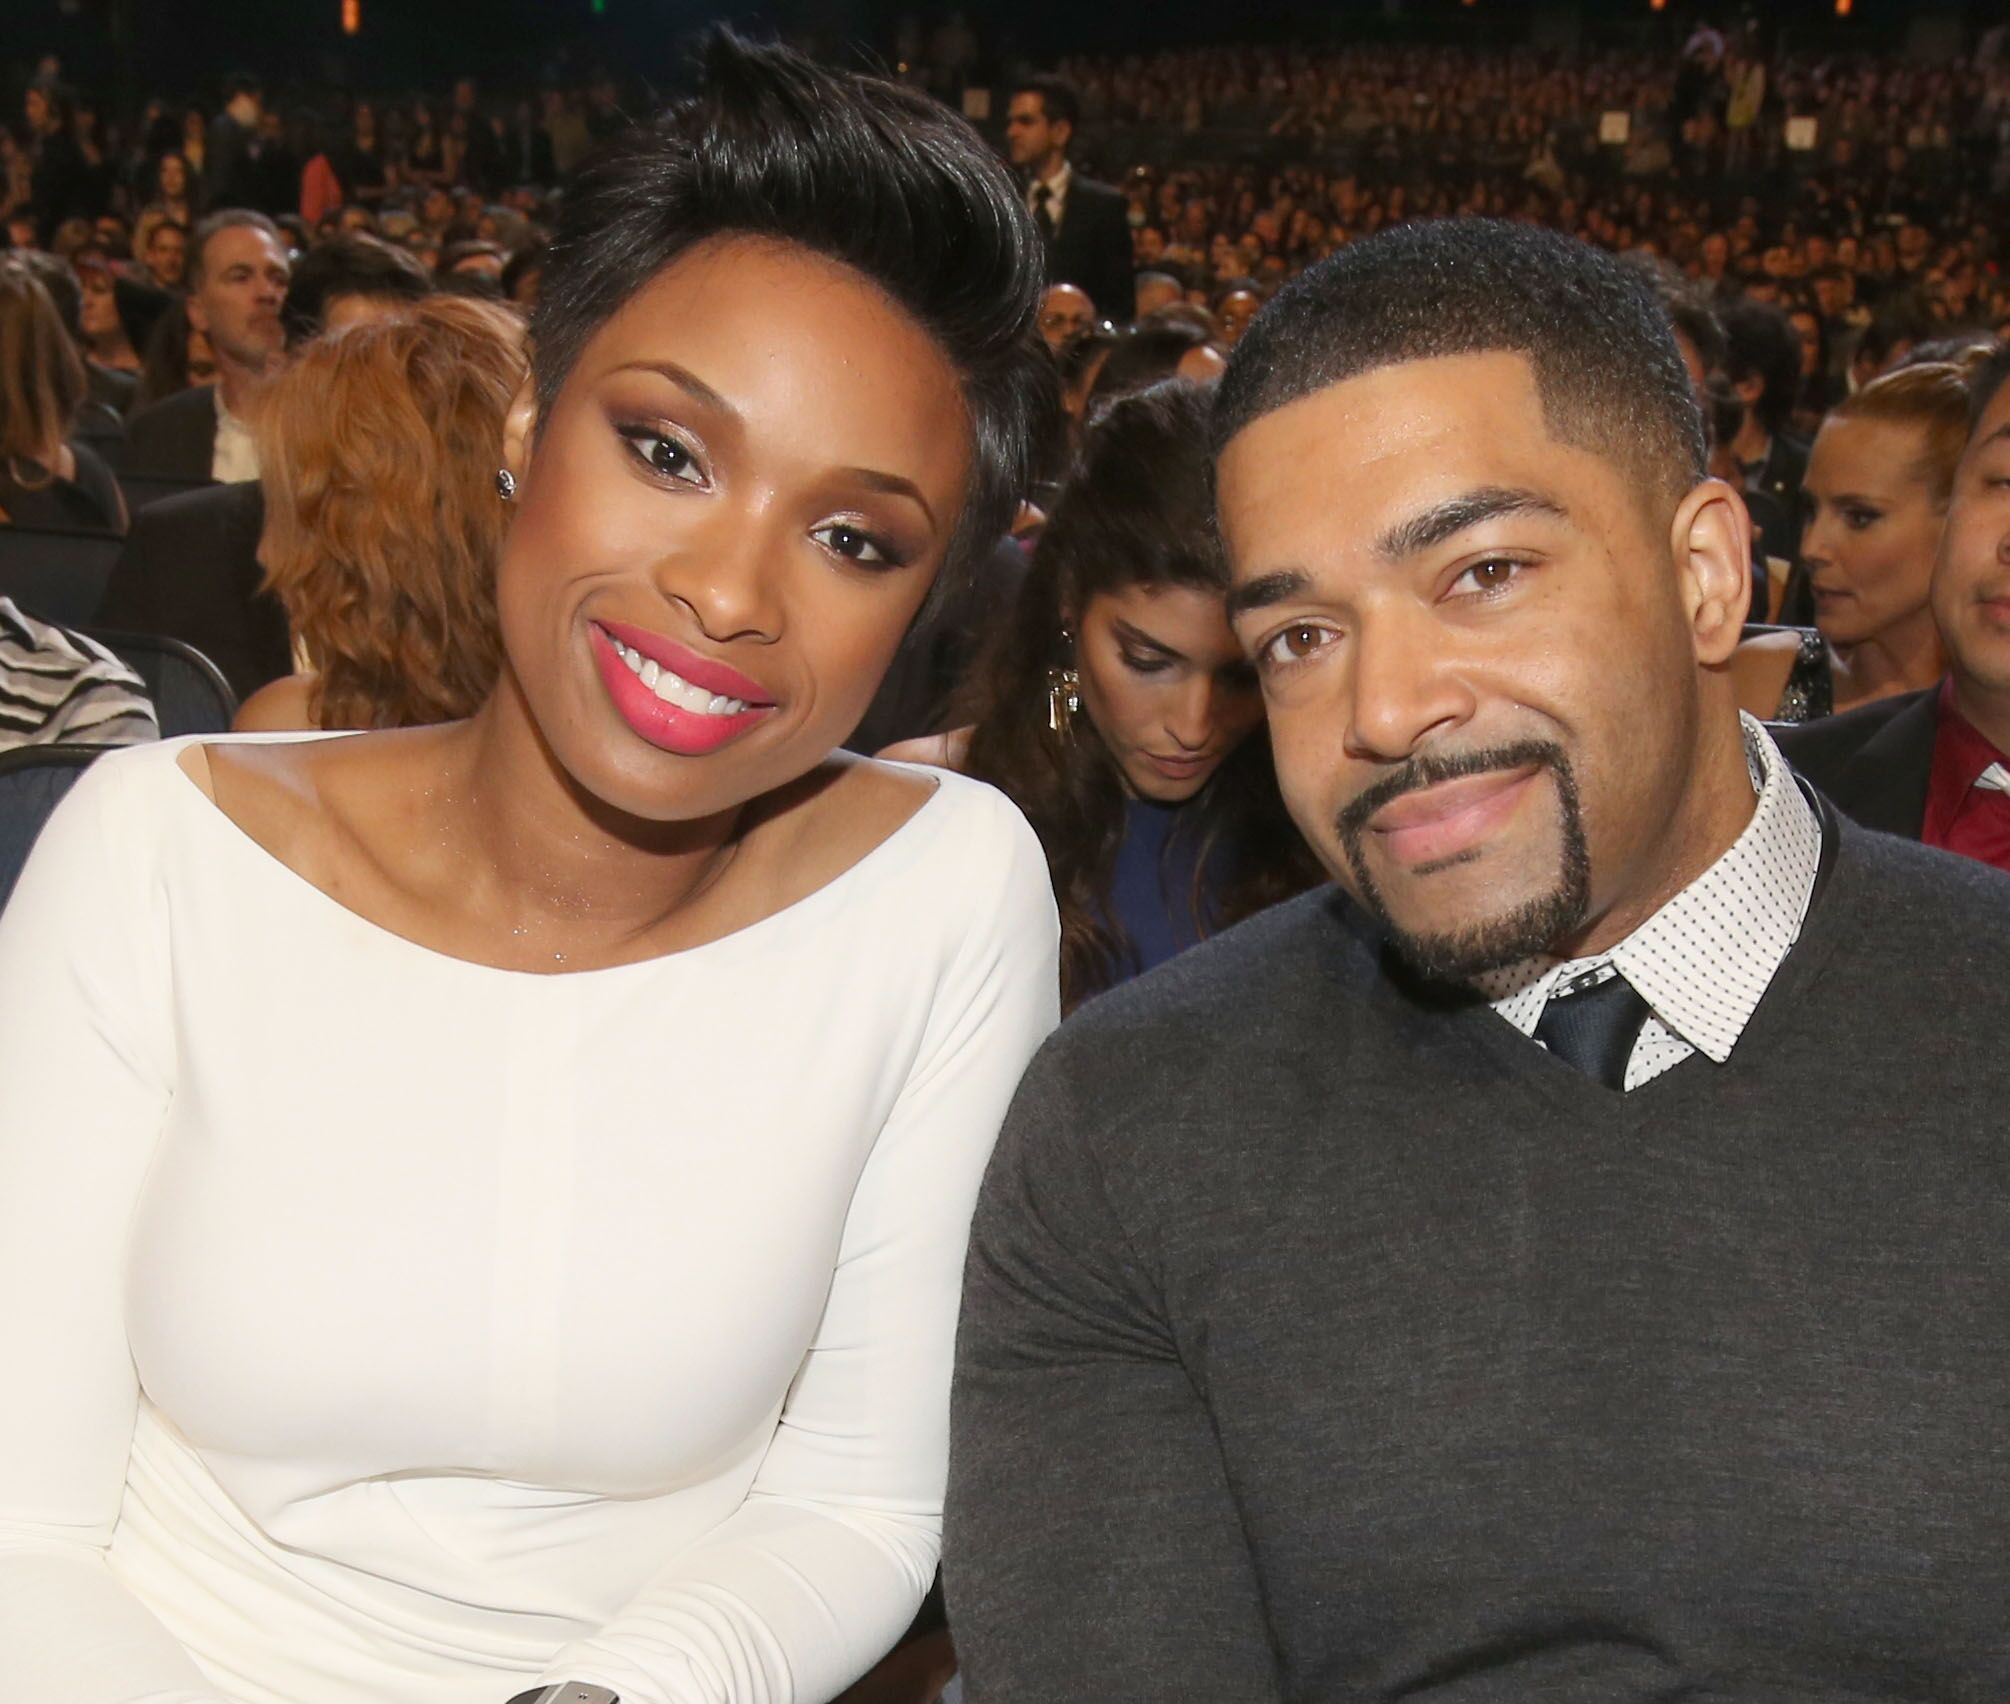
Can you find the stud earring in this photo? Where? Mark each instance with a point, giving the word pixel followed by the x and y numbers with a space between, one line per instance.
pixel 505 484
pixel 1064 695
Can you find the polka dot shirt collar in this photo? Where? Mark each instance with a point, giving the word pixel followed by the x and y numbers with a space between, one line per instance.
pixel 1706 958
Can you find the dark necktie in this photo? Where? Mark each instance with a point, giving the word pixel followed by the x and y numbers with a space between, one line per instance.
pixel 1043 211
pixel 1595 1029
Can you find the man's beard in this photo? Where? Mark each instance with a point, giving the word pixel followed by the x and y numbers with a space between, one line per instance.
pixel 1533 926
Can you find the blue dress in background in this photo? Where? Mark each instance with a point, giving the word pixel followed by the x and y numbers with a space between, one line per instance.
pixel 1151 889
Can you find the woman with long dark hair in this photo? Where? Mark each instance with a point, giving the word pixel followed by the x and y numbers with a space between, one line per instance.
pixel 1117 712
pixel 482 1205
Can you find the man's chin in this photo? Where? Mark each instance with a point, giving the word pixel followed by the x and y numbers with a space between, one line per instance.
pixel 1473 948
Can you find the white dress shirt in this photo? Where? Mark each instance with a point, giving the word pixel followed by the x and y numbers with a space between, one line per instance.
pixel 1057 193
pixel 235 458
pixel 1705 959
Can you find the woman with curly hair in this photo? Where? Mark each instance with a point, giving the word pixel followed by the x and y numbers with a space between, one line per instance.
pixel 381 522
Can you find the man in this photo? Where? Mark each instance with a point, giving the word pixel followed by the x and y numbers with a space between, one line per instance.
pixel 237 281
pixel 166 256
pixel 1570 1262
pixel 1932 765
pixel 1065 313
pixel 1084 225
pixel 1156 290
pixel 236 142
pixel 190 565
pixel 1762 359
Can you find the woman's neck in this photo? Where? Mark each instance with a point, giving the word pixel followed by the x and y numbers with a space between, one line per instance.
pixel 1902 658
pixel 558 864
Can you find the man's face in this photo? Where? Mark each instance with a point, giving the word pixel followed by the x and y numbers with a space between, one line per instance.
pixel 1479 653
pixel 167 257
pixel 1971 579
pixel 1065 313
pixel 1029 136
pixel 237 304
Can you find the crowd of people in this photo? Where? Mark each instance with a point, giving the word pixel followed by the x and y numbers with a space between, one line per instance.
pixel 1161 818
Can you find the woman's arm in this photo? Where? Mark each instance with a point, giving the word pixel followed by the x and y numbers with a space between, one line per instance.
pixel 816 1575
pixel 86 1052
pixel 279 706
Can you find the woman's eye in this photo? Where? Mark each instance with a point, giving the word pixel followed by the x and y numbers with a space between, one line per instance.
pixel 1145 665
pixel 855 544
pixel 1493 575
pixel 666 455
pixel 1860 518
pixel 1293 645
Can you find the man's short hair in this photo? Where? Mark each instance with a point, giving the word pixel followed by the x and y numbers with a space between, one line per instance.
pixel 1985 379
pixel 1606 365
pixel 350 265
pixel 230 219
pixel 1059 98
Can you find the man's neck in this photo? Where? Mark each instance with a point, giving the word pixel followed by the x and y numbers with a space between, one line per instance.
pixel 237 384
pixel 1050 168
pixel 1718 807
pixel 1985 709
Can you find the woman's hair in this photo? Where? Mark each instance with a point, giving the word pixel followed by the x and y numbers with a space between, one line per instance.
pixel 164 361
pixel 42 378
pixel 1143 356
pixel 379 449
pixel 1932 396
pixel 876 176
pixel 1138 513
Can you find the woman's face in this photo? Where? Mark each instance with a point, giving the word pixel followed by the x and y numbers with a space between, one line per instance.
pixel 98 311
pixel 1873 527
pixel 174 176
pixel 725 523
pixel 1166 685
pixel 1808 329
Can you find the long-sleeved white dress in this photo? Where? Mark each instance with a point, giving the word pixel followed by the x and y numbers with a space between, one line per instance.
pixel 379 1326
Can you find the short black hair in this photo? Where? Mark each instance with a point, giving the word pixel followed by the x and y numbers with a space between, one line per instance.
pixel 881 178
pixel 229 219
pixel 1760 342
pixel 1060 100
pixel 1984 381
pixel 348 265
pixel 1606 364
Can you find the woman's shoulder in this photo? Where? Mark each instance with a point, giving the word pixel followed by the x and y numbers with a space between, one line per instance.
pixel 1763 665
pixel 936 751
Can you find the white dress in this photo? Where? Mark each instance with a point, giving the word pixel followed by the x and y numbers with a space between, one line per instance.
pixel 382 1328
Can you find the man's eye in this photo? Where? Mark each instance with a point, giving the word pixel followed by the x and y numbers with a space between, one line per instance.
pixel 1493 575
pixel 1293 644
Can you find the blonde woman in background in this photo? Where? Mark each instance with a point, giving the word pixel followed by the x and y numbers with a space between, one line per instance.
pixel 382 525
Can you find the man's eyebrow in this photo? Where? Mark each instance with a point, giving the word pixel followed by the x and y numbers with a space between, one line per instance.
pixel 1265 590
pixel 1454 515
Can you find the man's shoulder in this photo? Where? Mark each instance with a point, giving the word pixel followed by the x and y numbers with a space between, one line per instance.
pixel 1258 981
pixel 1094 192
pixel 234 509
pixel 1832 738
pixel 178 409
pixel 1940 913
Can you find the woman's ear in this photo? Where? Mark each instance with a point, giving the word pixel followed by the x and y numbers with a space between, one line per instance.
pixel 520 431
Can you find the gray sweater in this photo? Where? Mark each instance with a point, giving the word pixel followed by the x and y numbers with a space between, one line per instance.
pixel 1325 1339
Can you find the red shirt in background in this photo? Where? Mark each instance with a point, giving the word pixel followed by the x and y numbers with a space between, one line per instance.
pixel 1968 791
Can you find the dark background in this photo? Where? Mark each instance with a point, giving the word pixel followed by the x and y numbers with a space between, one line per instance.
pixel 130 49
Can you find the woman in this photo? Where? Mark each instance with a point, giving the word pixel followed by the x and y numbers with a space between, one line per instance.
pixel 175 193
pixel 104 332
pixel 46 479
pixel 178 356
pixel 1877 486
pixel 495 1193
pixel 379 449
pixel 1117 711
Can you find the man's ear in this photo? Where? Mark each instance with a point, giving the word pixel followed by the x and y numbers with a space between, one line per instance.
pixel 1711 540
pixel 520 430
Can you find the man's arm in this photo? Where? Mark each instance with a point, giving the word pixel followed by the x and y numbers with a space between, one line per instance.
pixel 1092 1546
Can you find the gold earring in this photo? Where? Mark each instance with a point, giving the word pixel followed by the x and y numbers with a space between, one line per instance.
pixel 1064 695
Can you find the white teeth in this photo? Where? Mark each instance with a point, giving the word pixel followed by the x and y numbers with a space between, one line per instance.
pixel 674 689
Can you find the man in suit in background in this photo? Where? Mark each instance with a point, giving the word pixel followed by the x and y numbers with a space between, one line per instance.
pixel 1084 225
pixel 190 565
pixel 1932 765
pixel 238 273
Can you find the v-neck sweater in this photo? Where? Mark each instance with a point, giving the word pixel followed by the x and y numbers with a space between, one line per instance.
pixel 1326 1339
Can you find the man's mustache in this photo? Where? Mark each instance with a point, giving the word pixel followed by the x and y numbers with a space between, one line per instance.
pixel 1428 769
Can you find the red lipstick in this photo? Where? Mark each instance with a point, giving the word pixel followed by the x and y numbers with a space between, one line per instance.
pixel 674 727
